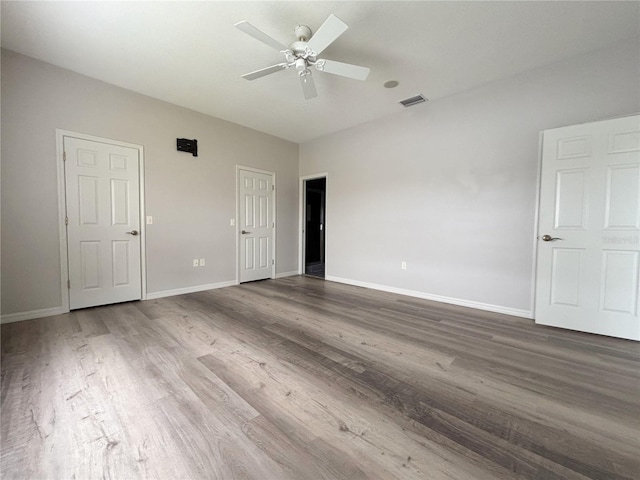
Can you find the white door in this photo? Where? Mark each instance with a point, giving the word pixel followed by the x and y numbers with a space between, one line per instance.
pixel 589 228
pixel 103 222
pixel 256 225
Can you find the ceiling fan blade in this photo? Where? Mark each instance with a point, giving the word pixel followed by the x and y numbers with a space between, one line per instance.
pixel 308 86
pixel 265 71
pixel 344 69
pixel 252 31
pixel 331 29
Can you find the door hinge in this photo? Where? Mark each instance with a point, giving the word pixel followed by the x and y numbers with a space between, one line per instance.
pixel 64 156
pixel 273 224
pixel 273 262
pixel 273 187
pixel 69 284
pixel 66 220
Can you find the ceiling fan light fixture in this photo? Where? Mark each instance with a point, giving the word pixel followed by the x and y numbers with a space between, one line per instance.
pixel 301 65
pixel 409 102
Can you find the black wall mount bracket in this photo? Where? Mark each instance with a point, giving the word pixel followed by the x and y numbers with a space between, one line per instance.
pixel 187 145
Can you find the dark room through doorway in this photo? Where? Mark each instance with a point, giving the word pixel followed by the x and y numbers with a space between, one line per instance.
pixel 314 232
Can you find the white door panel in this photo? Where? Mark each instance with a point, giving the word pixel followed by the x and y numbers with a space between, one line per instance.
pixel 256 225
pixel 566 268
pixel 570 211
pixel 588 273
pixel 103 209
pixel 622 211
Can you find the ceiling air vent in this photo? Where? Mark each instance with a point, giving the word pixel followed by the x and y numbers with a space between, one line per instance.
pixel 409 102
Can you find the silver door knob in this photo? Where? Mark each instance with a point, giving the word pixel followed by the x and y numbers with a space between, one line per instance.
pixel 549 238
pixel 132 232
pixel 244 232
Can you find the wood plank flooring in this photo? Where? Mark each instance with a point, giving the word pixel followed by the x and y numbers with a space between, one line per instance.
pixel 299 378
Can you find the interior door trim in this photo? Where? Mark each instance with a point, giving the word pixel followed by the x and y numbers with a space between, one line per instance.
pixel 534 260
pixel 237 222
pixel 301 219
pixel 62 203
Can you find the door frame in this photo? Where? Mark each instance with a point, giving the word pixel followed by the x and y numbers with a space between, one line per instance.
pixel 536 234
pixel 62 208
pixel 302 218
pixel 275 221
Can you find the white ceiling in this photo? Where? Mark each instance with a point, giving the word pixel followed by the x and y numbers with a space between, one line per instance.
pixel 189 53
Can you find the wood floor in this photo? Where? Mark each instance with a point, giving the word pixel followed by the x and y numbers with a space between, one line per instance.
pixel 299 378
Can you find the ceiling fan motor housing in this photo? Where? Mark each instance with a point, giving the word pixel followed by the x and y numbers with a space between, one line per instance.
pixel 300 49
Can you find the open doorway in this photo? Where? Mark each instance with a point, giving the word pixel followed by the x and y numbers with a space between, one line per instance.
pixel 314 226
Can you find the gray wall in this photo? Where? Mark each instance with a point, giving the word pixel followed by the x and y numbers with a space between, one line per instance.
pixel 191 199
pixel 450 186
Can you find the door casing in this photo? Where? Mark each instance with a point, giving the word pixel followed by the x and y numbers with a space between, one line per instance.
pixel 302 220
pixel 237 222
pixel 62 206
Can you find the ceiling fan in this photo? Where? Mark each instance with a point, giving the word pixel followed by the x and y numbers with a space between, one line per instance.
pixel 303 54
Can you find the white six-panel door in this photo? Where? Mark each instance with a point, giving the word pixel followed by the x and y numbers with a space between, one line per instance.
pixel 589 228
pixel 256 225
pixel 103 222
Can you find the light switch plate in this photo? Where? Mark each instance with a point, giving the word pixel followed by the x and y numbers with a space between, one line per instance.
pixel 232 222
pixel 149 220
pixel 202 262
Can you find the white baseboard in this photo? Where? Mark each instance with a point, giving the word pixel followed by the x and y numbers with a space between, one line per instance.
pixel 20 316
pixel 436 298
pixel 194 289
pixel 48 312
pixel 286 274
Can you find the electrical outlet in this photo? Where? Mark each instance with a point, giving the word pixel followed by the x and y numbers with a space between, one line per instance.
pixel 202 262
pixel 404 265
pixel 195 262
